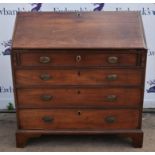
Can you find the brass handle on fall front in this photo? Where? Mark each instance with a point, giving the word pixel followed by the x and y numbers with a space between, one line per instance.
pixel 113 60
pixel 45 59
pixel 46 97
pixel 47 119
pixel 112 77
pixel 110 119
pixel 78 58
pixel 111 98
pixel 45 77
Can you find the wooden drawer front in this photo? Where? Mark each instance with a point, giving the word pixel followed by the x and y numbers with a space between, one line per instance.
pixel 79 77
pixel 44 98
pixel 77 59
pixel 78 119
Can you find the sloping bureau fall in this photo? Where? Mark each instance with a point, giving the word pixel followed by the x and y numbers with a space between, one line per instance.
pixel 79 73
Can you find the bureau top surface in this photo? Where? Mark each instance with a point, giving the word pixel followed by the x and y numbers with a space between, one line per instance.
pixel 107 30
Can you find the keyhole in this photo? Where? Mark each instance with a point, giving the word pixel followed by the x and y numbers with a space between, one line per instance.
pixel 78 58
pixel 79 113
pixel 78 92
pixel 79 73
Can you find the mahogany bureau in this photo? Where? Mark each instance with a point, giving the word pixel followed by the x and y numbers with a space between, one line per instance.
pixel 79 73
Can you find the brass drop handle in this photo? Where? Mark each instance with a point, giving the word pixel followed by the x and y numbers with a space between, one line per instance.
pixel 110 119
pixel 113 59
pixel 45 59
pixel 45 77
pixel 111 98
pixel 47 119
pixel 78 58
pixel 46 97
pixel 112 77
